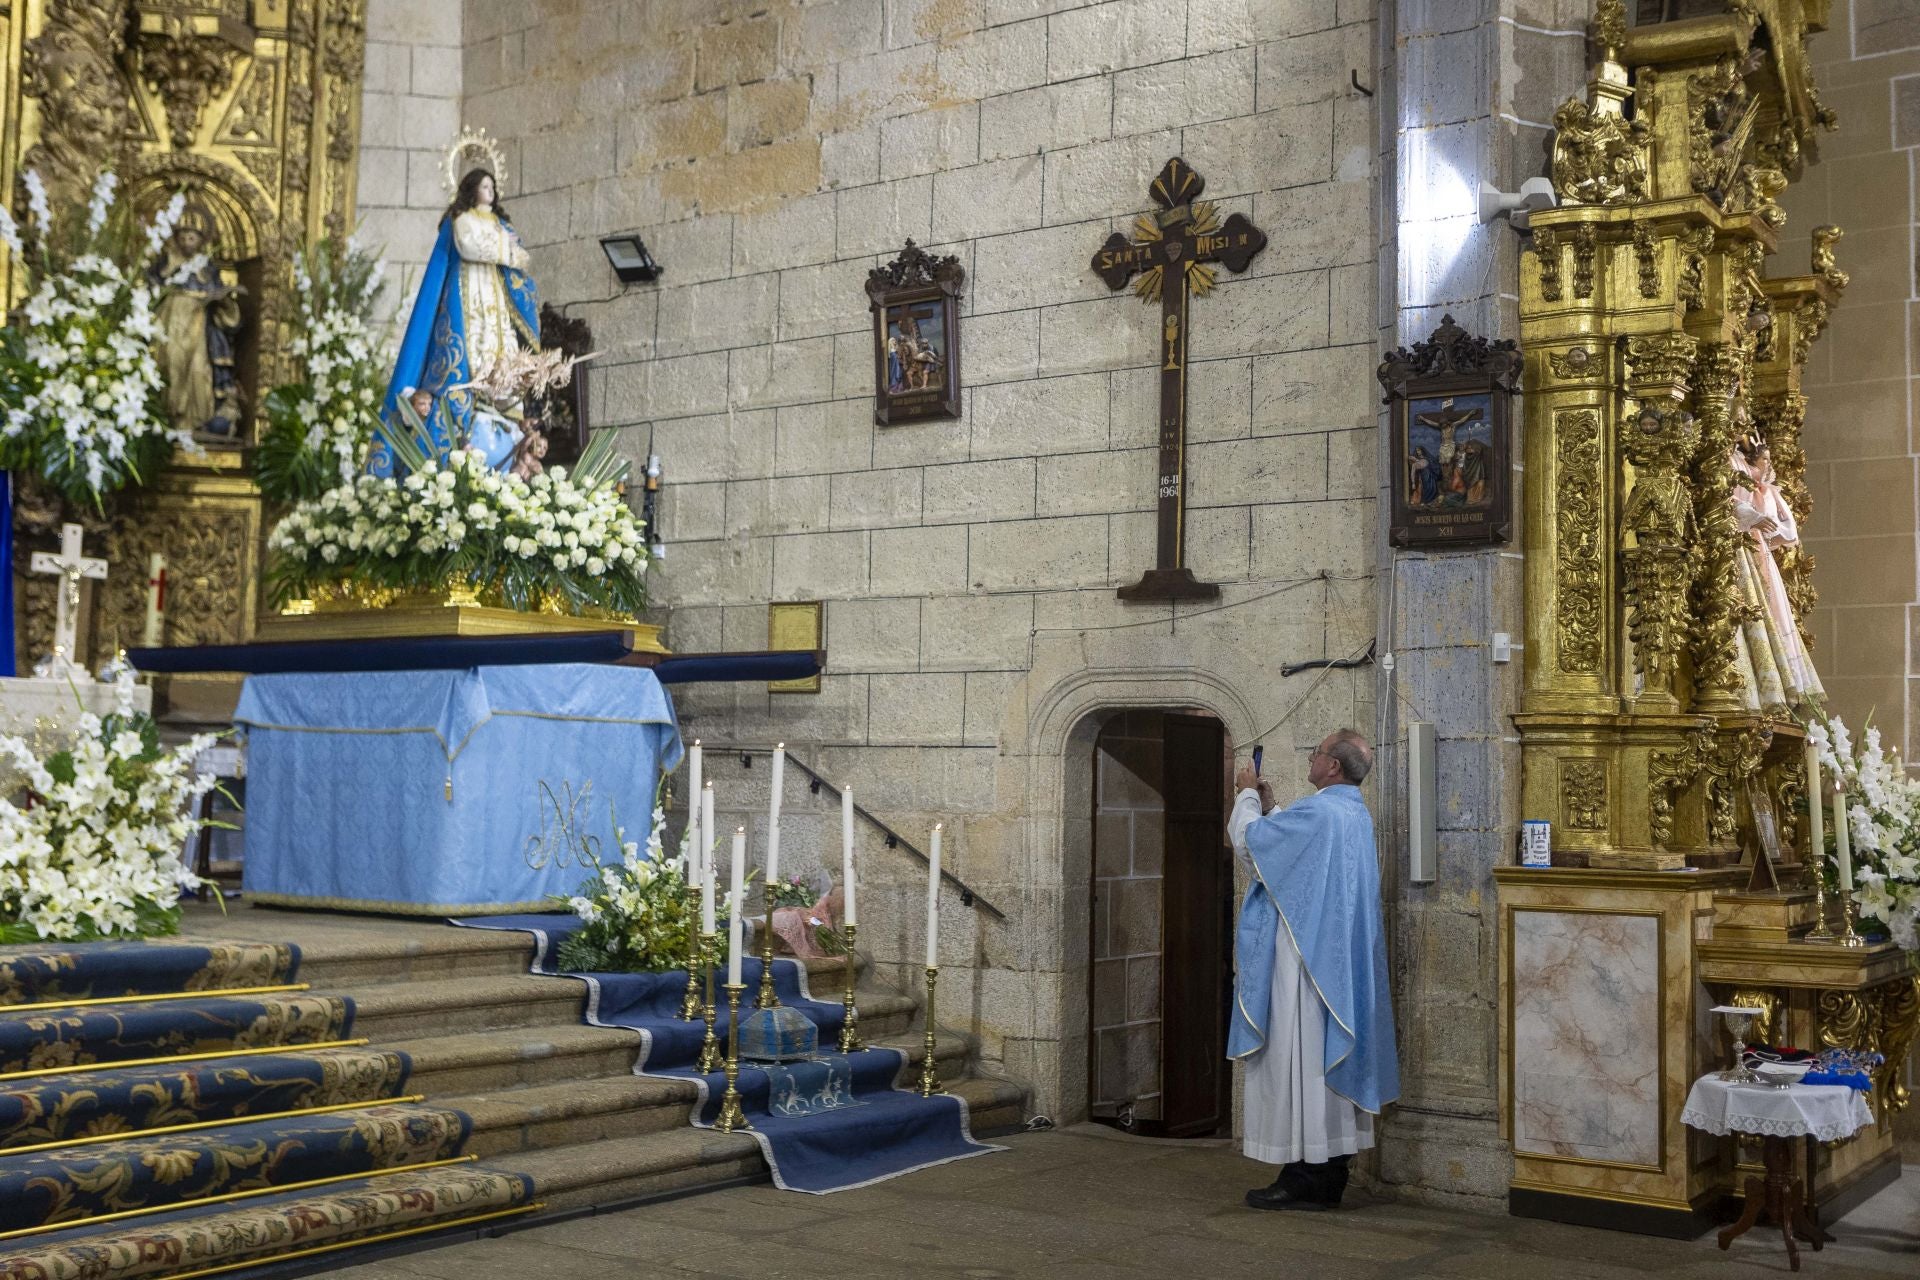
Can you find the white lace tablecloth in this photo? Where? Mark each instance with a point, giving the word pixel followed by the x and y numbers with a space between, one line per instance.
pixel 1828 1112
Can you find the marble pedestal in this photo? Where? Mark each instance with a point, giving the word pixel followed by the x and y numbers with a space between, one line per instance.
pixel 1603 1027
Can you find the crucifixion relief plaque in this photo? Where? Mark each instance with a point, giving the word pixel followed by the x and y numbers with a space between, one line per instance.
pixel 1173 252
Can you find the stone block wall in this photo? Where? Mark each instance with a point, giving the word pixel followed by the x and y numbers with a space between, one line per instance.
pixel 409 116
pixel 771 155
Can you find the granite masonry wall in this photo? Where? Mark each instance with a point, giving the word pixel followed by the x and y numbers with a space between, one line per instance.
pixel 771 154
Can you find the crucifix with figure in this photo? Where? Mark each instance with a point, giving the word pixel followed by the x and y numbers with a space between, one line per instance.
pixel 1173 252
pixel 71 567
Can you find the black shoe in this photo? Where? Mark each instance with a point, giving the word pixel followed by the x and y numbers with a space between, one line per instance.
pixel 1332 1180
pixel 1295 1188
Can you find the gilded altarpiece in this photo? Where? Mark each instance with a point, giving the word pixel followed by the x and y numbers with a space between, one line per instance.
pixel 252 108
pixel 1655 341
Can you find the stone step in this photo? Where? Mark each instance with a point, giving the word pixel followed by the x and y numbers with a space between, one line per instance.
pixel 446 1006
pixel 537 1117
pixel 619 1169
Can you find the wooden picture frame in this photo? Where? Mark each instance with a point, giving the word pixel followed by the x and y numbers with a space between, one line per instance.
pixel 563 413
pixel 915 301
pixel 1451 409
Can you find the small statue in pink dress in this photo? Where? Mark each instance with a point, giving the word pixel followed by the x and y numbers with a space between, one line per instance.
pixel 1767 523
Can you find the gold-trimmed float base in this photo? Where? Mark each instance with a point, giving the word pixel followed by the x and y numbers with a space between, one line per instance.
pixel 432 616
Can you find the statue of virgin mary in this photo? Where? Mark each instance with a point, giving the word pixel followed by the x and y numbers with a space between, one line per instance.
pixel 475 304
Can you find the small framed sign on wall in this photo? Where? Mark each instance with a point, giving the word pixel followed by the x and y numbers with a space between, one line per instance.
pixel 916 336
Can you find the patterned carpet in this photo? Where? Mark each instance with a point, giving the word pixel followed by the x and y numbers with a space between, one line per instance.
pixel 189 1154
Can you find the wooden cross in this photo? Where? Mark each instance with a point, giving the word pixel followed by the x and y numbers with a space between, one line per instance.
pixel 1184 238
pixel 71 566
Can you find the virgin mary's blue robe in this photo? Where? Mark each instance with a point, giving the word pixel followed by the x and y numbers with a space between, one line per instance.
pixel 433 358
pixel 1315 875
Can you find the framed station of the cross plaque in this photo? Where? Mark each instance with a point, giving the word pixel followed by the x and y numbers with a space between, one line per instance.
pixel 1451 463
pixel 916 337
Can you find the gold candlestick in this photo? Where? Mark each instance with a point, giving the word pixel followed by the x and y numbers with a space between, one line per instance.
pixel 1848 938
pixel 1819 932
pixel 768 1000
pixel 850 1041
pixel 731 1116
pixel 690 1002
pixel 929 1071
pixel 710 1047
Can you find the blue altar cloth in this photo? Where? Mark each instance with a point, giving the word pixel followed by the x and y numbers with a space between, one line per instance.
pixel 447 792
pixel 888 1132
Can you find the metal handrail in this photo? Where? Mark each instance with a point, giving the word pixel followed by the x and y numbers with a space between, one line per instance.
pixel 968 896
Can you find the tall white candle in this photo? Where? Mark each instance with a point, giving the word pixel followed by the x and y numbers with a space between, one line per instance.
pixel 773 852
pixel 933 899
pixel 846 857
pixel 694 778
pixel 706 858
pixel 779 780
pixel 1843 839
pixel 1816 813
pixel 734 899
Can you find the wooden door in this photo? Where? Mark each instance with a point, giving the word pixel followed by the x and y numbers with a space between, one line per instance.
pixel 1196 972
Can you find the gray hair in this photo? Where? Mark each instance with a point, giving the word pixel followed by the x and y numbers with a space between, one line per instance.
pixel 1351 752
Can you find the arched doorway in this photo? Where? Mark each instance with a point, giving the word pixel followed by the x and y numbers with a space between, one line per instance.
pixel 1160 940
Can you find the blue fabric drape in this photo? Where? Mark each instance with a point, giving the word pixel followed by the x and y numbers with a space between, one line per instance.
pixel 443 792
pixel 433 352
pixel 1315 875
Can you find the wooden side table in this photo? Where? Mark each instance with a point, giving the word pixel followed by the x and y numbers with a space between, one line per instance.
pixel 1778 1117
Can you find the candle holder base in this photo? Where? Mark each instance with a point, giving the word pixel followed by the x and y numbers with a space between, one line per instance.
pixel 1848 938
pixel 767 1000
pixel 929 1066
pixel 731 1115
pixel 850 1041
pixel 710 1058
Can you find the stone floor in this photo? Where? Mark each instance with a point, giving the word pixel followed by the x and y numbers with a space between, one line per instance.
pixel 1087 1202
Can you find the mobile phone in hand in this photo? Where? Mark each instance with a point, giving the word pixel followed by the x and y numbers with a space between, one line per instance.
pixel 1258 753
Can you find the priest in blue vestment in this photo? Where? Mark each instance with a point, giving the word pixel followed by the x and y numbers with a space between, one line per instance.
pixel 1312 1016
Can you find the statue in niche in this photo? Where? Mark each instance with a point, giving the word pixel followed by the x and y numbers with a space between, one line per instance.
pixel 199 321
pixel 1779 671
pixel 475 312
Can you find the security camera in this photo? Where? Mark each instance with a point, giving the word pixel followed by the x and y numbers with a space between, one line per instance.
pixel 1519 206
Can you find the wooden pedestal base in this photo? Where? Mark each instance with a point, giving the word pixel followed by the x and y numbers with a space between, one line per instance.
pixel 1781 1197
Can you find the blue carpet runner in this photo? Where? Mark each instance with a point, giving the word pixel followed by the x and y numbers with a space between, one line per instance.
pixel 271 1139
pixel 891 1131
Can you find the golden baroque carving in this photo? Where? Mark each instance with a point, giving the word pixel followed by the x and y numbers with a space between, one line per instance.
pixel 1577 494
pixel 1899 1024
pixel 1662 360
pixel 1810 321
pixel 1718 119
pixel 1586 248
pixel 1768 1002
pixel 188 72
pixel 73 69
pixel 1598 157
pixel 1780 419
pixel 1574 364
pixel 1583 794
pixel 1668 774
pixel 1546 250
pixel 1716 603
pixel 1825 237
pixel 1609 27
pixel 1845 1021
pixel 1694 247
pixel 1789 793
pixel 208 561
pixel 1658 516
pixel 1646 252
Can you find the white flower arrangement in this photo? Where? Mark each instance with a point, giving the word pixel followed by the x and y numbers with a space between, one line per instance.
pixel 1883 825
pixel 95 850
pixel 637 914
pixel 546 542
pixel 318 430
pixel 80 389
